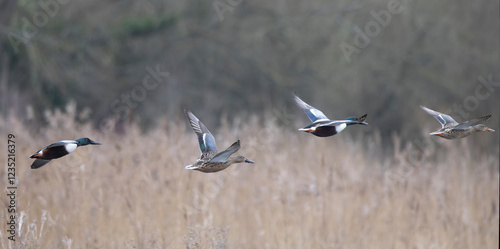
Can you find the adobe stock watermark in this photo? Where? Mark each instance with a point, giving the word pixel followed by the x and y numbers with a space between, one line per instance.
pixel 425 147
pixel 222 6
pixel 30 26
pixel 373 28
pixel 130 100
pixel 482 91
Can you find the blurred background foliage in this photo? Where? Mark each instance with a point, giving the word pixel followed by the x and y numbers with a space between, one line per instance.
pixel 249 63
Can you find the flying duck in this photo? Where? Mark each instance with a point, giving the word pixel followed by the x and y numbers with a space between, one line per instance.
pixel 451 129
pixel 57 150
pixel 322 126
pixel 210 161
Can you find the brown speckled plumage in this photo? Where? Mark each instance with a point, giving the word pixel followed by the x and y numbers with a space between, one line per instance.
pixel 210 160
pixel 451 129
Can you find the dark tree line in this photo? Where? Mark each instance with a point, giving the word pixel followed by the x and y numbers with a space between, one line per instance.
pixel 384 58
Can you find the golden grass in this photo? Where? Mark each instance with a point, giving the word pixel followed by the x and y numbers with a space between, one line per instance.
pixel 303 192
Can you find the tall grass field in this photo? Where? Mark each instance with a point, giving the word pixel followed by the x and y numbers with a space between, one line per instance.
pixel 344 191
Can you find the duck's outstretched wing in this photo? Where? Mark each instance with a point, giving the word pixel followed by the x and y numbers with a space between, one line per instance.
pixel 224 155
pixel 339 122
pixel 39 163
pixel 205 138
pixel 313 113
pixel 445 120
pixel 472 122
pixel 334 123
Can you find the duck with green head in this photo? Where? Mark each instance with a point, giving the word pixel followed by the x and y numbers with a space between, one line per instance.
pixel 322 126
pixel 57 150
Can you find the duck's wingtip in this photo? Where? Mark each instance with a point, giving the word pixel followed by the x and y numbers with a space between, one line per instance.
pixel 39 163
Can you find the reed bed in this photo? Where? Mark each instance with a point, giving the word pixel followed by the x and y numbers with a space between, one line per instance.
pixel 302 192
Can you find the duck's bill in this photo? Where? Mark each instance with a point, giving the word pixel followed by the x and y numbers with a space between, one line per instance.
pixel 94 142
pixel 363 123
pixel 248 160
pixel 490 130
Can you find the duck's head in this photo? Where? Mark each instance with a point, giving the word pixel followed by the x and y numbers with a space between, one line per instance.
pixel 482 127
pixel 86 141
pixel 357 120
pixel 239 159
